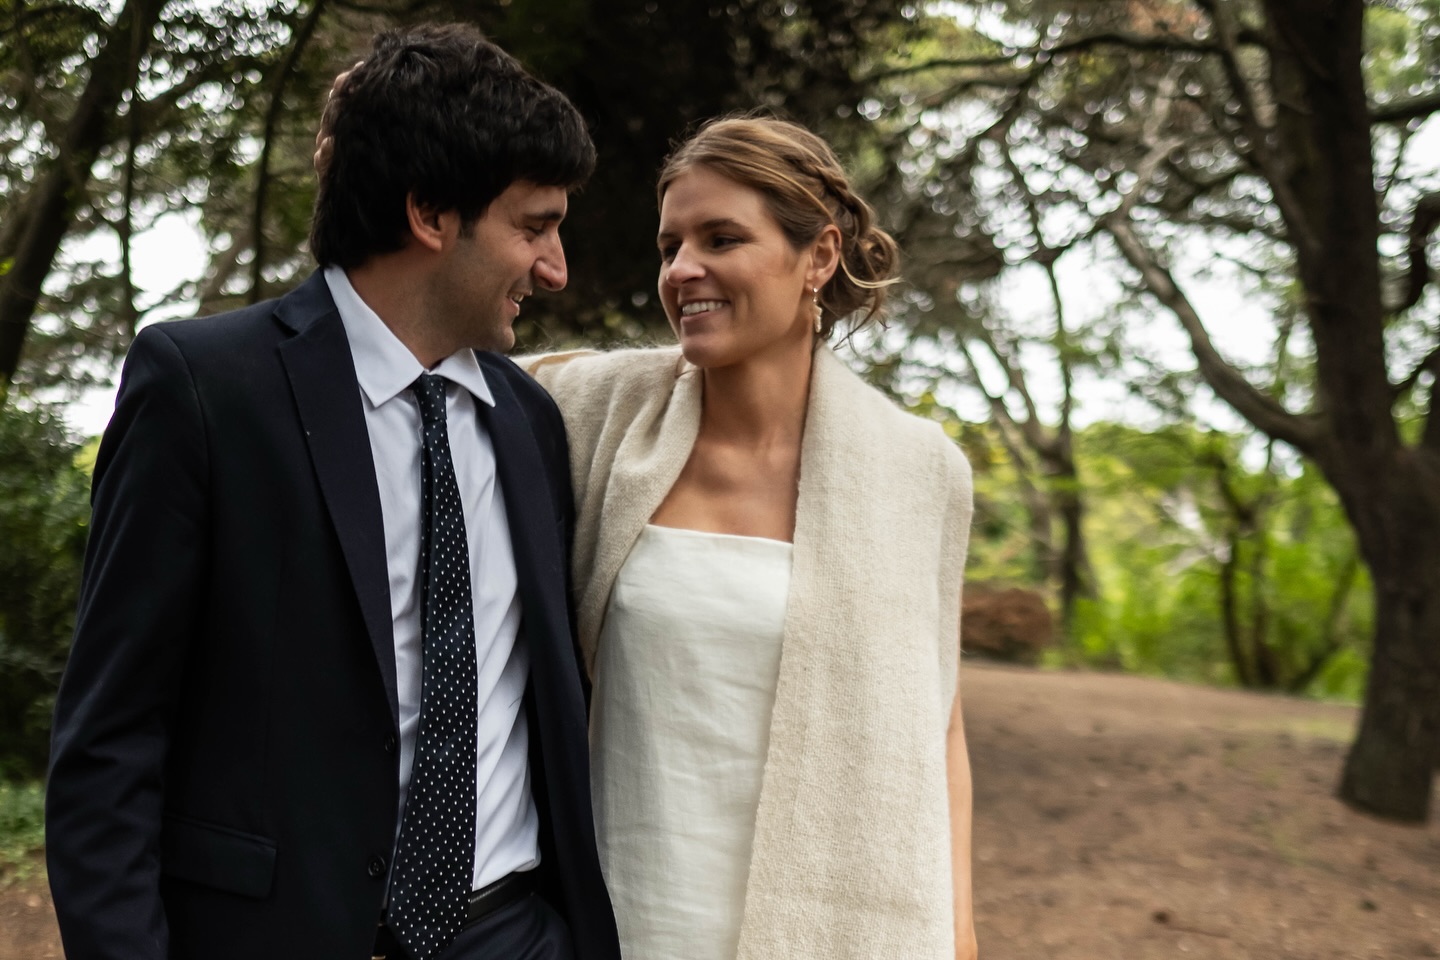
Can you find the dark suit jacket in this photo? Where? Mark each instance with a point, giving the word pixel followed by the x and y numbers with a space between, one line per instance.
pixel 224 773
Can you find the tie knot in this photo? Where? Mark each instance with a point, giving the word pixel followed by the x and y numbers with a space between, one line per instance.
pixel 430 393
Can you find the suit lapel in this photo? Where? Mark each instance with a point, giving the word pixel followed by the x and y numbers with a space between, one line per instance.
pixel 534 529
pixel 327 395
pixel 558 723
pixel 555 705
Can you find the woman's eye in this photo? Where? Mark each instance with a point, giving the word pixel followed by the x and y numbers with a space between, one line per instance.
pixel 723 241
pixel 668 253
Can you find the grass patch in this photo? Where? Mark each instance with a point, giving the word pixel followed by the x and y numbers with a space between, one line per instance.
pixel 22 830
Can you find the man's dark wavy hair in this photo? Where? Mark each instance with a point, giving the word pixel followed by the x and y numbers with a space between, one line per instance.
pixel 440 112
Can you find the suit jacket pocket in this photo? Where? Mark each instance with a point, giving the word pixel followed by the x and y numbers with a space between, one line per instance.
pixel 216 856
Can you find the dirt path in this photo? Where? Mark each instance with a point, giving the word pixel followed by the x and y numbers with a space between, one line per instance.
pixel 1120 818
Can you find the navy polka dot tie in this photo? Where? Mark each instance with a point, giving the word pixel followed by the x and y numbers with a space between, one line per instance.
pixel 436 853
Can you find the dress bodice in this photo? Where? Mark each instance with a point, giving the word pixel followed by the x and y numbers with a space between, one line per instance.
pixel 684 688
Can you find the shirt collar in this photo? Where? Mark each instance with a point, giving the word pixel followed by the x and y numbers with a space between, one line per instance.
pixel 384 366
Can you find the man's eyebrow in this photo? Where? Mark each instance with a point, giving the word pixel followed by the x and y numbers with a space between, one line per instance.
pixel 546 216
pixel 712 224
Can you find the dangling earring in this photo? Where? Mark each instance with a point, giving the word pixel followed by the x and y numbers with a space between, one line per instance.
pixel 819 313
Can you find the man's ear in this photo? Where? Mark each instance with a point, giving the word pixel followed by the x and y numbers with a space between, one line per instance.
pixel 431 228
pixel 824 257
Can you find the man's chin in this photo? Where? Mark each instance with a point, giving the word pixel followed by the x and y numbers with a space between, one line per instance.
pixel 499 339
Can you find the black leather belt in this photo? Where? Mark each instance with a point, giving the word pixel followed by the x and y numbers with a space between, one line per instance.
pixel 498 895
pixel 483 902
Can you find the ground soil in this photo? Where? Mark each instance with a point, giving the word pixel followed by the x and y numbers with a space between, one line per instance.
pixel 1120 818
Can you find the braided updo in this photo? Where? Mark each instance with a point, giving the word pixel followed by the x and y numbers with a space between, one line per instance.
pixel 805 190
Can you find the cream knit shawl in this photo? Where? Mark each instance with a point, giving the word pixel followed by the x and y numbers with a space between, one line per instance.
pixel 852 838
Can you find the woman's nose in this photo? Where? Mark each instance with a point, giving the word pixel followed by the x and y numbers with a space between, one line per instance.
pixel 683 267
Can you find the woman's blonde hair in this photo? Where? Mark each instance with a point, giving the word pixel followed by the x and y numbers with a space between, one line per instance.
pixel 805 190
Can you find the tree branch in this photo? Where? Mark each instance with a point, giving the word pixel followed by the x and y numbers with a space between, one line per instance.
pixel 126 227
pixel 1431 363
pixel 1042 53
pixel 1422 223
pixel 1240 522
pixel 284 69
pixel 998 410
pixel 399 10
pixel 24 16
pixel 1258 131
pixel 1235 223
pixel 1158 149
pixel 60 187
pixel 1430 439
pixel 1030 426
pixel 1228 383
pixel 223 265
pixel 1046 256
pixel 127 196
pixel 154 110
pixel 1407 109
pixel 1036 503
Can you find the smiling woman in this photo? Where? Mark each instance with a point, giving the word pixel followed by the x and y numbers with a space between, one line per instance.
pixel 768 561
pixel 731 283
pixel 804 190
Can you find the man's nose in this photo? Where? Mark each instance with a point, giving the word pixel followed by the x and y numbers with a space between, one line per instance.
pixel 549 269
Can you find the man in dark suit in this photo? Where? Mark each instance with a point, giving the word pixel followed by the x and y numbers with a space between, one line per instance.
pixel 324 698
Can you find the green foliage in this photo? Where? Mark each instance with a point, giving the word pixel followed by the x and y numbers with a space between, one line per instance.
pixel 1001 548
pixel 22 828
pixel 44 512
pixel 1299 595
pixel 1160 534
pixel 1402 47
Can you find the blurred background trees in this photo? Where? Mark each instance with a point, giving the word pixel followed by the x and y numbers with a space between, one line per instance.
pixel 1160 139
pixel 1089 193
pixel 44 509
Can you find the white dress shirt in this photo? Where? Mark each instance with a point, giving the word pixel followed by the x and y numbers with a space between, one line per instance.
pixel 506 824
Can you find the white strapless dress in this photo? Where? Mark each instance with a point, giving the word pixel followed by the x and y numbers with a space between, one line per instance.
pixel 684 687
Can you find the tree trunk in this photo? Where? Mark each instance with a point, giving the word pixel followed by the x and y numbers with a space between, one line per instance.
pixel 1268 670
pixel 1390 769
pixel 59 190
pixel 1230 610
pixel 1319 161
pixel 1074 574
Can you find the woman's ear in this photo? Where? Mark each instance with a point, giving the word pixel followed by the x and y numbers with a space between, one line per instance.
pixel 824 257
pixel 430 227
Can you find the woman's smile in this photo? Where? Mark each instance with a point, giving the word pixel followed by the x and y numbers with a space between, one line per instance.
pixel 698 307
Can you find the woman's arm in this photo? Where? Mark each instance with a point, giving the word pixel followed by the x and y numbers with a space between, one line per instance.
pixel 958 766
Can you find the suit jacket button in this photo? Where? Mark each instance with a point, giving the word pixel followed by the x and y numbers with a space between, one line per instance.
pixel 377 866
pixel 391 743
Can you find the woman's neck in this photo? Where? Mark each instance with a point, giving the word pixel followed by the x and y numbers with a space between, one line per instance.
pixel 759 402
